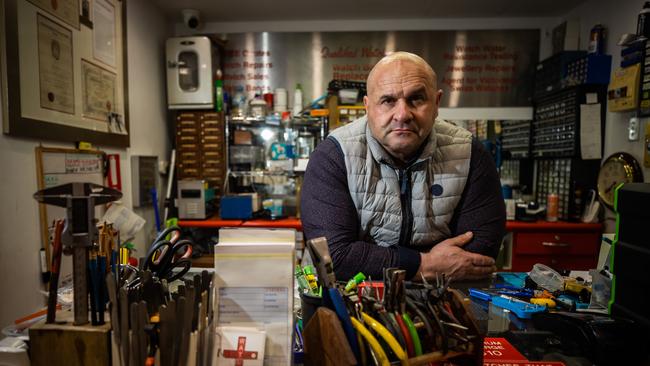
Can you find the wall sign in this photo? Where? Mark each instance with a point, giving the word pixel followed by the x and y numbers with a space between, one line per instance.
pixel 477 68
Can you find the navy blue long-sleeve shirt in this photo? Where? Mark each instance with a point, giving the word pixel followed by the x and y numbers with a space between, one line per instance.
pixel 327 210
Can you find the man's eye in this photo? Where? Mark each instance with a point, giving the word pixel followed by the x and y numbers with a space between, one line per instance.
pixel 387 101
pixel 417 99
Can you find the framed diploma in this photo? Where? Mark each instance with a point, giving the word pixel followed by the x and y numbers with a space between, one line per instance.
pixel 65 82
pixel 98 91
pixel 56 80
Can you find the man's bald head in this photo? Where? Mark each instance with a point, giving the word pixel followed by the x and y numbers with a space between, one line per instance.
pixel 402 103
pixel 401 57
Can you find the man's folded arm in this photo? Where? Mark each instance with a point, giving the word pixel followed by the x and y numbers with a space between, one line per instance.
pixel 481 209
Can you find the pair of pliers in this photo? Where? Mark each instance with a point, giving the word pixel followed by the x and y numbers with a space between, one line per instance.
pixel 395 302
pixel 386 335
pixel 415 309
pixel 367 322
pixel 364 311
pixel 373 307
pixel 379 352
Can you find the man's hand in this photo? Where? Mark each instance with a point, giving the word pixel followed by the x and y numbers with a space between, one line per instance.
pixel 450 258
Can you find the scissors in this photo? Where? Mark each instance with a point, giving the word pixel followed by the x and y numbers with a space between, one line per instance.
pixel 164 256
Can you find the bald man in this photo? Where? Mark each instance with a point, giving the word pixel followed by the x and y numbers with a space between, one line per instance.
pixel 400 188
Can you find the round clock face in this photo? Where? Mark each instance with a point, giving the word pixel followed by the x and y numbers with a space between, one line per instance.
pixel 612 173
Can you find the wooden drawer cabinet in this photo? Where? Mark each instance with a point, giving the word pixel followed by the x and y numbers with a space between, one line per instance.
pixel 560 245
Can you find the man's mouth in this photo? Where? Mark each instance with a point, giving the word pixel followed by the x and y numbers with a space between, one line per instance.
pixel 402 130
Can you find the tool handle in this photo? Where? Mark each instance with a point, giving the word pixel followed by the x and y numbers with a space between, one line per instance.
pixel 57 246
pixel 51 298
pixel 333 298
pixel 320 254
pixel 56 265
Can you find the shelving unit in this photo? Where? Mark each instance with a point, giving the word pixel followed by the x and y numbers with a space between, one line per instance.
pixel 556 148
pixel 252 166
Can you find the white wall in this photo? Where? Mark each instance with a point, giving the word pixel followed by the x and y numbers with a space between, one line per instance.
pixel 147 97
pixel 19 221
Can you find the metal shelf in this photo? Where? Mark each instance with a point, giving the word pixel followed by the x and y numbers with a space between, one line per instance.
pixel 262 173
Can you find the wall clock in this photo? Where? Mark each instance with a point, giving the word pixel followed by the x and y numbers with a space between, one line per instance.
pixel 618 168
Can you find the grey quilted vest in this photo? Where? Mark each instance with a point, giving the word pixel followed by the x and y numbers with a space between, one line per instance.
pixel 432 185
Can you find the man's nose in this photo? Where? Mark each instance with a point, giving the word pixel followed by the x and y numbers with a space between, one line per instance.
pixel 403 111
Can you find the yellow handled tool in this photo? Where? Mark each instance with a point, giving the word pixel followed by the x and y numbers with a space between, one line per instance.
pixel 549 303
pixel 386 335
pixel 382 359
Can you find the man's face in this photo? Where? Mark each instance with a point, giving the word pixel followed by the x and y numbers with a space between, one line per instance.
pixel 402 104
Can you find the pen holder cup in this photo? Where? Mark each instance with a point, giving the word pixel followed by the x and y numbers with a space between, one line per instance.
pixel 309 303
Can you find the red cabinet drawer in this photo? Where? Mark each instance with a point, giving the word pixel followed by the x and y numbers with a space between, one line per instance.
pixel 524 263
pixel 556 244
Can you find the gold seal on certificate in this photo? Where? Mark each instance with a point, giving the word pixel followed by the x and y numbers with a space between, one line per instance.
pixel 55 66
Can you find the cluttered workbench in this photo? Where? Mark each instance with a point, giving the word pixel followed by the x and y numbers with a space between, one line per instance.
pixel 567 245
pixel 255 304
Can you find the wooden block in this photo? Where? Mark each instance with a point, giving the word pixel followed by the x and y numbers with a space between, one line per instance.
pixel 68 345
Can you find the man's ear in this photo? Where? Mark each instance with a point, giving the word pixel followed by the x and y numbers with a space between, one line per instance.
pixel 438 97
pixel 365 102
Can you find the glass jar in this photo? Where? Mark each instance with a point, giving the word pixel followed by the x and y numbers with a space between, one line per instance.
pixel 305 144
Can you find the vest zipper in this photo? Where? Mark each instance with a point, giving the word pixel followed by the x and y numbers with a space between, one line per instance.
pixel 405 199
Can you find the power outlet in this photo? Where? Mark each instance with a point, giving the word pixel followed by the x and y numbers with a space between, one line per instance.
pixel 633 129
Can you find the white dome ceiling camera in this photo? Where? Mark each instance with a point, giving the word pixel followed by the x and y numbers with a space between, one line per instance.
pixel 191 18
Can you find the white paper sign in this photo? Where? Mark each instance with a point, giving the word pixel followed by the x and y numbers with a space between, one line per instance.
pixel 590 137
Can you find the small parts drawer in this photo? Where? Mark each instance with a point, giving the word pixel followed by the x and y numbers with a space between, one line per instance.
pixel 557 243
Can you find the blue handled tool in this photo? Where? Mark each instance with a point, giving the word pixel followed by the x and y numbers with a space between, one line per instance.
pixel 332 298
pixel 480 294
pixel 523 309
pixel 154 200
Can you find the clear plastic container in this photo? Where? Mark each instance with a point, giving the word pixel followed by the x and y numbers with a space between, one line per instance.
pixel 546 277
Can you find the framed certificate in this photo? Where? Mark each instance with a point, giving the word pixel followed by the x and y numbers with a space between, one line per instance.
pixel 66 82
pixel 98 91
pixel 56 80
